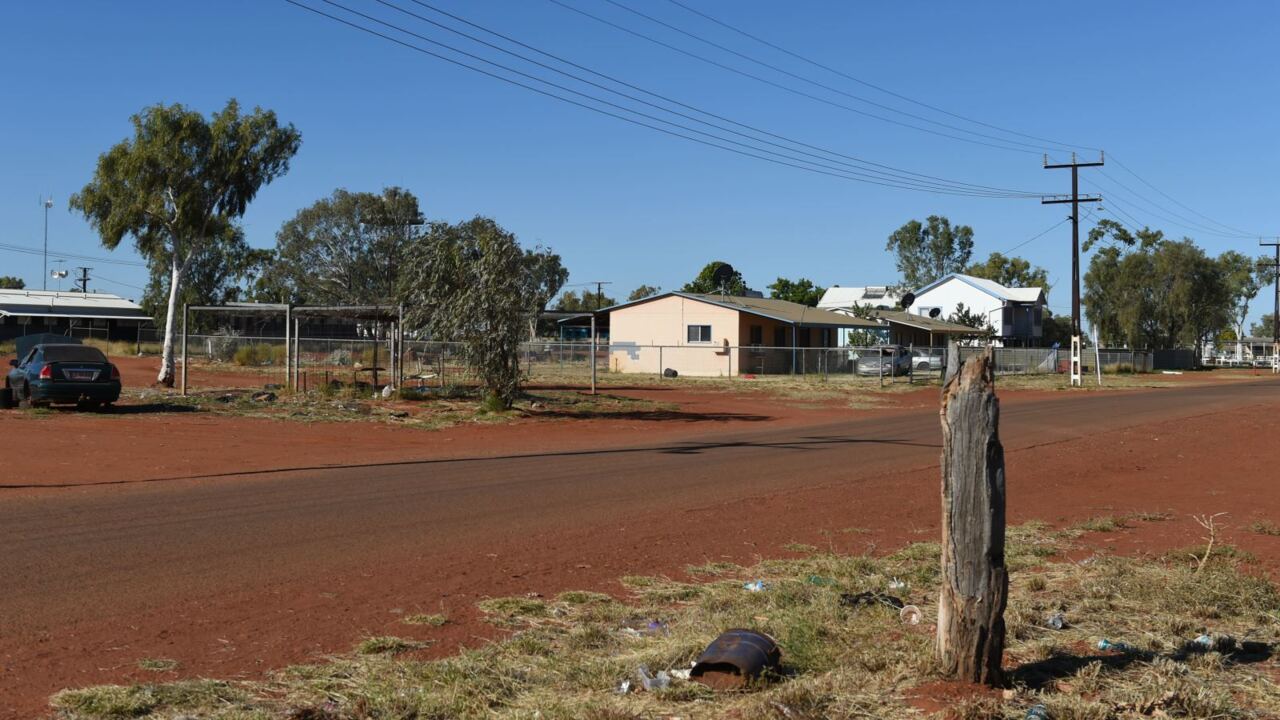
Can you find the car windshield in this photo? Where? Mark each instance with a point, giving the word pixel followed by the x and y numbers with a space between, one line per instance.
pixel 73 353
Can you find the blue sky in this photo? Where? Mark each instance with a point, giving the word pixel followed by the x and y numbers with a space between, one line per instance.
pixel 1182 93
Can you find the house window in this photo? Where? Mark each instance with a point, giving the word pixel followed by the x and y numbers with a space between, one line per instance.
pixel 700 333
pixel 779 337
pixel 757 334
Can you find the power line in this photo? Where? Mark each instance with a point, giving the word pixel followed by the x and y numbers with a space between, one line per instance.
pixel 1037 236
pixel 99 277
pixel 1134 206
pixel 857 173
pixel 800 164
pixel 1181 220
pixel 1173 200
pixel 780 86
pixel 871 85
pixel 72 256
pixel 894 172
pixel 824 86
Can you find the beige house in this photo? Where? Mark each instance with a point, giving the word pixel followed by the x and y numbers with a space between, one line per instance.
pixel 716 335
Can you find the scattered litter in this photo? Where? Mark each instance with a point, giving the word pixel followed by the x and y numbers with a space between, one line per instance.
pixel 870 598
pixel 387 392
pixel 896 584
pixel 822 581
pixel 755 586
pixel 630 632
pixel 1038 712
pixel 1170 372
pixel 670 373
pixel 1105 644
pixel 910 614
pixel 624 687
pixel 1215 642
pixel 735 658
pixel 1057 621
pixel 653 683
pixel 657 627
pixel 263 396
pixel 681 674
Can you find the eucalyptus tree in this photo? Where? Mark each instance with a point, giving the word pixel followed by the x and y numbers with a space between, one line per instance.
pixel 930 251
pixel 348 248
pixel 178 186
pixel 471 283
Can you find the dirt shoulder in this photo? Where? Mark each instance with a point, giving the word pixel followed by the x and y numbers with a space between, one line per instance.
pixel 266 598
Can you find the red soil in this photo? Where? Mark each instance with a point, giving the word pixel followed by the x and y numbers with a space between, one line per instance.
pixel 1219 462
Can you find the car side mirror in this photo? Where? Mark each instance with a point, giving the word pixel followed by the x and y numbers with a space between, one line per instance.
pixel 13 362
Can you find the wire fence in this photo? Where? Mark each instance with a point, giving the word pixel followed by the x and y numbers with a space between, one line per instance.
pixel 228 361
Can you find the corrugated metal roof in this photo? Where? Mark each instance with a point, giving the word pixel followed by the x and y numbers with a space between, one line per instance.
pixel 940 327
pixel 41 303
pixel 991 287
pixel 780 310
pixel 783 310
pixel 847 297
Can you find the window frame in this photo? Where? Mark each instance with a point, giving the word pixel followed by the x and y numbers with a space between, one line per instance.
pixel 688 334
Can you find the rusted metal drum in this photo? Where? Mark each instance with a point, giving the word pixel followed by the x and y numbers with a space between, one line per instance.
pixel 736 658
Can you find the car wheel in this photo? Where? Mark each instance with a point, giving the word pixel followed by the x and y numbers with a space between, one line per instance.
pixel 6 397
pixel 24 399
pixel 924 366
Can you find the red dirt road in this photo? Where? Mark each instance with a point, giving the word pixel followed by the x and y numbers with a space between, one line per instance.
pixel 232 576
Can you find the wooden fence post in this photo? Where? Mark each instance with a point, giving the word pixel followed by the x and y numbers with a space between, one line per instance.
pixel 975 584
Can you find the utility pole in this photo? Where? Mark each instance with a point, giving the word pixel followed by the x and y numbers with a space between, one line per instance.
pixel 48 203
pixel 594 341
pixel 599 291
pixel 83 280
pixel 1275 313
pixel 1075 199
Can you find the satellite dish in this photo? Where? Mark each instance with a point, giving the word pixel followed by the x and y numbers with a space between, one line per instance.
pixel 907 300
pixel 721 276
pixel 935 312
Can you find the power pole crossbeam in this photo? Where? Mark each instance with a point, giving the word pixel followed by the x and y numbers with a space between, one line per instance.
pixel 1075 199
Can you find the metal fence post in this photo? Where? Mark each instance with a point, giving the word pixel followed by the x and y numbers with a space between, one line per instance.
pixel 593 353
pixel 183 385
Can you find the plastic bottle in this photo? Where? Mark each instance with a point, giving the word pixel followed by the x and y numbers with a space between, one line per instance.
pixel 1057 621
pixel 1105 644
pixel 1038 712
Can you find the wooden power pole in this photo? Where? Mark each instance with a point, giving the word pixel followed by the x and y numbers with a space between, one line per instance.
pixel 975 584
pixel 1075 198
pixel 1275 313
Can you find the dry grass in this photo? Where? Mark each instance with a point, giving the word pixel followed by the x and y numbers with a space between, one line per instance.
pixel 424 411
pixel 434 620
pixel 566 656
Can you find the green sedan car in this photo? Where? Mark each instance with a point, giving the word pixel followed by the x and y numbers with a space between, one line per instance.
pixel 63 372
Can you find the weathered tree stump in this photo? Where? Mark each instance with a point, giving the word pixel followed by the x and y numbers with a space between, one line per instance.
pixel 975 584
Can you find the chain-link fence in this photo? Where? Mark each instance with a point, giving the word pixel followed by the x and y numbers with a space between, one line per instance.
pixel 226 360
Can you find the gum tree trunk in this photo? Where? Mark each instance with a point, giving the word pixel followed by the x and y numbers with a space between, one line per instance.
pixel 975 584
pixel 166 376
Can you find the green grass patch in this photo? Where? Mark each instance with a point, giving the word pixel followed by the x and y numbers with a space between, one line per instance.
pixel 158 664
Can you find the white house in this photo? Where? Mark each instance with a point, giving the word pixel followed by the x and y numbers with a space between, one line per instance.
pixel 1016 314
pixel 877 297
